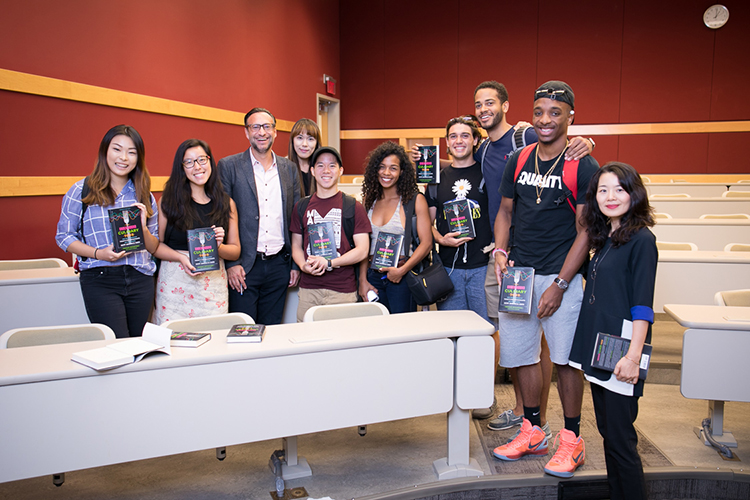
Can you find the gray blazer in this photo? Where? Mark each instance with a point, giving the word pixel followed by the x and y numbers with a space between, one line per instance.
pixel 239 182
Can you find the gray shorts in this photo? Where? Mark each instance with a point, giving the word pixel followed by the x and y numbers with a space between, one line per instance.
pixel 491 291
pixel 521 334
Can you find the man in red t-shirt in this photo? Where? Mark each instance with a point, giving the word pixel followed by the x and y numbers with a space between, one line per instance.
pixel 327 279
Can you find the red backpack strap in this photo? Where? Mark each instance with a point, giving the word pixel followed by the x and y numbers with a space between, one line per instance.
pixel 522 157
pixel 570 179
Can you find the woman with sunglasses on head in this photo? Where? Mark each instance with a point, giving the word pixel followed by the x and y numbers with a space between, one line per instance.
pixel 117 287
pixel 304 140
pixel 391 198
pixel 618 300
pixel 193 198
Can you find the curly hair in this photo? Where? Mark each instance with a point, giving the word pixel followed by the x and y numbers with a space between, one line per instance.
pixel 639 214
pixel 176 199
pixel 406 186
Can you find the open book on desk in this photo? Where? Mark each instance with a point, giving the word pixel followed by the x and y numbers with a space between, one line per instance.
pixel 155 339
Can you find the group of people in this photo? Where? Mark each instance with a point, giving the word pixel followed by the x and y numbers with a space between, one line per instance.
pixel 537 200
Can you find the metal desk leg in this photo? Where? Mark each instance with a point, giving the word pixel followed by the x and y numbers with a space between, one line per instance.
pixel 716 414
pixel 293 467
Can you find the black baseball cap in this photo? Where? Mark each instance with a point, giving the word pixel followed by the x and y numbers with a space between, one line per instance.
pixel 557 91
pixel 325 149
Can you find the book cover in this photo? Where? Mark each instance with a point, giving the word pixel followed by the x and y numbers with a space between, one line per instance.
pixel 516 290
pixel 246 333
pixel 387 250
pixel 458 215
pixel 322 240
pixel 188 339
pixel 428 166
pixel 609 349
pixel 203 249
pixel 127 231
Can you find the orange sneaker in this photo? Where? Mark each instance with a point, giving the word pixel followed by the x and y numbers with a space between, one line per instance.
pixel 531 440
pixel 568 456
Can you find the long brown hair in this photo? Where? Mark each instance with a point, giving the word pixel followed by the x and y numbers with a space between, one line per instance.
pixel 100 191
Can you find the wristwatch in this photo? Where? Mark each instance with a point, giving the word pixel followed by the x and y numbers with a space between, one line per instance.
pixel 330 266
pixel 561 283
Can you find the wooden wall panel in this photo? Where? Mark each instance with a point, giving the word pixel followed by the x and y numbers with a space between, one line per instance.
pixel 667 61
pixel 667 153
pixel 722 154
pixel 731 71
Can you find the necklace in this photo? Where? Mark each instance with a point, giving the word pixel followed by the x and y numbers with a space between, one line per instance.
pixel 594 268
pixel 543 179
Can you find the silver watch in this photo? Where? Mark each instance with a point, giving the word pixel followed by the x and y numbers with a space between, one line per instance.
pixel 561 283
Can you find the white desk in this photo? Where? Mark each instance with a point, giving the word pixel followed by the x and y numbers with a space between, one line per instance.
pixel 708 234
pixel 684 277
pixel 714 359
pixel 40 297
pixel 692 208
pixel 60 416
pixel 694 189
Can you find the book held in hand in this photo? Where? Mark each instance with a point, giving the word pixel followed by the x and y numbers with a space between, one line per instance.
pixel 322 240
pixel 246 333
pixel 127 230
pixel 387 250
pixel 428 166
pixel 610 349
pixel 155 339
pixel 188 339
pixel 458 214
pixel 516 290
pixel 203 249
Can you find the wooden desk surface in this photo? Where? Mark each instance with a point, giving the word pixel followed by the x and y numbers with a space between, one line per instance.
pixel 28 276
pixel 710 317
pixel 703 222
pixel 52 362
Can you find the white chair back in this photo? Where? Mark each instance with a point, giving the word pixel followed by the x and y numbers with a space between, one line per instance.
pixel 50 263
pixel 676 245
pixel 735 194
pixel 668 195
pixel 724 216
pixel 340 311
pixel 62 334
pixel 737 247
pixel 216 322
pixel 733 298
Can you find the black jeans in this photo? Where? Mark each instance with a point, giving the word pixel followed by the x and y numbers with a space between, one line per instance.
pixel 119 297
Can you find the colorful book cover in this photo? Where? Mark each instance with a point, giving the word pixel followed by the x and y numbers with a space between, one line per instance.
pixel 127 231
pixel 246 333
pixel 203 249
pixel 516 290
pixel 322 240
pixel 188 339
pixel 458 215
pixel 387 250
pixel 428 166
pixel 610 349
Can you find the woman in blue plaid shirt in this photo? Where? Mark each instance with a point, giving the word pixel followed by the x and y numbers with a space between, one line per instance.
pixel 117 287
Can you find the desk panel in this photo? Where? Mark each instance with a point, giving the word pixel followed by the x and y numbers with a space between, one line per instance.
pixel 707 234
pixel 693 208
pixel 691 188
pixel 66 425
pixel 714 365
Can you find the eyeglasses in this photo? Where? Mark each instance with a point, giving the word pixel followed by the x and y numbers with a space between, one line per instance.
pixel 190 163
pixel 255 127
pixel 549 92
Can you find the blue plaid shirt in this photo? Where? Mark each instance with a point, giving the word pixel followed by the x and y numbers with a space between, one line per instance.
pixel 96 228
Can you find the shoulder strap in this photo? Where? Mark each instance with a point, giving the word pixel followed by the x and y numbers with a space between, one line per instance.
pixel 519 138
pixel 570 179
pixel 347 217
pixel 410 225
pixel 85 190
pixel 301 207
pixel 522 157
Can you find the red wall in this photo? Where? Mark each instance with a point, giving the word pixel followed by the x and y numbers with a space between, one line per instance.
pixel 229 54
pixel 628 61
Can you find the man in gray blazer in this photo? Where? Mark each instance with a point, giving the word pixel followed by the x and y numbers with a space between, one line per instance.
pixel 265 189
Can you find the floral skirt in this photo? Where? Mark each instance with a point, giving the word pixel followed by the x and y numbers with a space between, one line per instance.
pixel 180 296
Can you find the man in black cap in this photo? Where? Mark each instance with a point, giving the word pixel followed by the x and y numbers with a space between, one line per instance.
pixel 542 198
pixel 328 279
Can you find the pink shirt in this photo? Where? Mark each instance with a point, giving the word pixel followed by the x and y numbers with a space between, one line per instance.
pixel 271 223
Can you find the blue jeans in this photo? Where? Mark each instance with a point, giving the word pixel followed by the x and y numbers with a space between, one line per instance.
pixel 119 297
pixel 468 292
pixel 394 296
